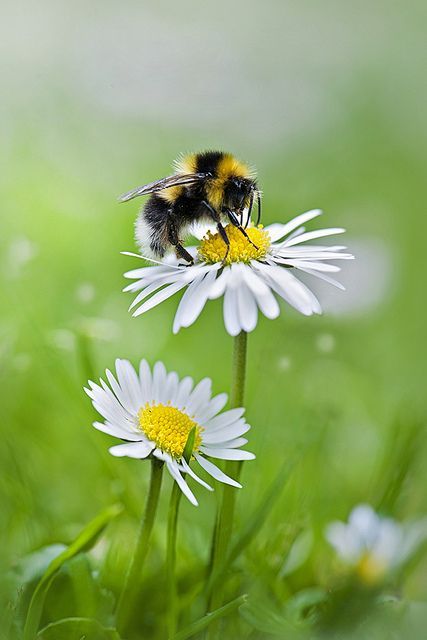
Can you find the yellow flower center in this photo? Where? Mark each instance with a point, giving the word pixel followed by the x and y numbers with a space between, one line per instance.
pixel 213 248
pixel 168 428
pixel 370 569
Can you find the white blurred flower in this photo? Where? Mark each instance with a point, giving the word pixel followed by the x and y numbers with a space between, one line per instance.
pixel 154 412
pixel 85 292
pixel 284 363
pixel 248 277
pixel 325 342
pixel 21 251
pixel 373 545
pixel 98 328
pixel 63 339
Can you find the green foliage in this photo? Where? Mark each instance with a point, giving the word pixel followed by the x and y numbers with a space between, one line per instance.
pixel 213 616
pixel 76 629
pixel 84 541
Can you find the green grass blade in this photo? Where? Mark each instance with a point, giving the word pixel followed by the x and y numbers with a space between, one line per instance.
pixel 71 628
pixel 254 524
pixel 85 540
pixel 204 622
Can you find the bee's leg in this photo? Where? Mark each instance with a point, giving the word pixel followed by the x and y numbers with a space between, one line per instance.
pixel 248 217
pixel 259 208
pixel 233 219
pixel 174 240
pixel 222 232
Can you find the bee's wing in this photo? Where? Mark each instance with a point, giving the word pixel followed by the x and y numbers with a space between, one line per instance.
pixel 176 180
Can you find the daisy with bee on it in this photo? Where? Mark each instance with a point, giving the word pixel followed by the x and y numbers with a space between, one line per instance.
pixel 212 187
pixel 251 274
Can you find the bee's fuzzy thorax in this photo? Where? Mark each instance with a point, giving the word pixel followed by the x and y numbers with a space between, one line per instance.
pixel 186 163
pixel 220 164
pixel 231 167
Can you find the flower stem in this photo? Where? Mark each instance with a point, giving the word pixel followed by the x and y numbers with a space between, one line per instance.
pixel 224 522
pixel 238 370
pixel 129 594
pixel 174 503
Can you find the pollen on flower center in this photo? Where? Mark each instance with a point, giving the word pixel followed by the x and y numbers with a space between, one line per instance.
pixel 370 569
pixel 213 248
pixel 168 427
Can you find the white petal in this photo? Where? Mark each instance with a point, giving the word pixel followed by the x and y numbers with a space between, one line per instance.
pixel 312 235
pixel 129 383
pixel 226 433
pixel 183 393
pixel 193 301
pixel 171 389
pixel 106 403
pixel 145 273
pixel 230 310
pixel 296 222
pixel 346 544
pixel 310 264
pixel 212 408
pixel 215 472
pixel 324 277
pixel 265 299
pixel 174 471
pixel 233 443
pixel 117 432
pixel 224 419
pixel 254 281
pixel 365 523
pixel 151 288
pixel 227 454
pixel 291 289
pixel 247 308
pixel 219 286
pixel 388 545
pixel 145 382
pixel 103 397
pixel 187 469
pixel 132 449
pixel 159 383
pixel 159 297
pixel 200 396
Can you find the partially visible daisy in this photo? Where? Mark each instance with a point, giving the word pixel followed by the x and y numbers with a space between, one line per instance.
pixel 372 545
pixel 154 412
pixel 249 277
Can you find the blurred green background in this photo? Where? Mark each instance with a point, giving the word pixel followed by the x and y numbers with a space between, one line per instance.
pixel 328 101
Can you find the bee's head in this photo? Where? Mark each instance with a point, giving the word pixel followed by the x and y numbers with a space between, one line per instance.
pixel 237 193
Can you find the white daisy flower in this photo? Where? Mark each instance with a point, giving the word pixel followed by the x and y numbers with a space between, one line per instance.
pixel 154 412
pixel 248 276
pixel 372 545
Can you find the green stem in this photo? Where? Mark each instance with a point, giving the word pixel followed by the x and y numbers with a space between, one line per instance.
pixel 238 370
pixel 171 558
pixel 209 618
pixel 129 594
pixel 224 522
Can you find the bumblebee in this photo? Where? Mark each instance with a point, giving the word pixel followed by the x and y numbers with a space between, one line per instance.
pixel 212 186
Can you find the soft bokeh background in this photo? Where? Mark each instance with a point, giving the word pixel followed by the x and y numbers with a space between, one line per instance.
pixel 328 101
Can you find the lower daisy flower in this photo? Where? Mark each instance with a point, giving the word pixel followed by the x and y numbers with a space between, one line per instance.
pixel 375 546
pixel 249 275
pixel 154 413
